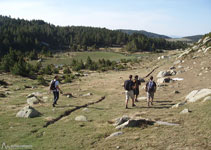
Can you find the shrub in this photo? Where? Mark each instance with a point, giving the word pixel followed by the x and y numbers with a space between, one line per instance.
pixel 66 70
pixel 41 80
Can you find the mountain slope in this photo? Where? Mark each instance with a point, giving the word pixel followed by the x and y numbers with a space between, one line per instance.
pixel 148 34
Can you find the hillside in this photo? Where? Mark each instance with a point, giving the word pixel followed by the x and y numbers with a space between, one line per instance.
pixel 148 34
pixel 194 38
pixel 179 119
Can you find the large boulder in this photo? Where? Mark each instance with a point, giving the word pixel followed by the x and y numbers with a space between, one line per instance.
pixel 28 112
pixel 163 74
pixel 33 100
pixel 197 95
pixel 121 120
pixel 135 123
pixel 163 80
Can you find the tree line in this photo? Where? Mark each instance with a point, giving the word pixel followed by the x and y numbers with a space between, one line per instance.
pixel 26 36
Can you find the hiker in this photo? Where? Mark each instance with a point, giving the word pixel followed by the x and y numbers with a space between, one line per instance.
pixel 137 83
pixel 54 86
pixel 150 89
pixel 129 93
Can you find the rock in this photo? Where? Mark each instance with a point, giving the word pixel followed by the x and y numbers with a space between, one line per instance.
pixel 45 98
pixel 177 79
pixel 2 95
pixel 81 118
pixel 179 104
pixel 176 92
pixel 173 72
pixel 207 49
pixel 177 62
pixel 37 94
pixel 142 98
pixel 179 67
pixel 39 60
pixel 86 110
pixel 166 123
pixel 208 98
pixel 121 120
pixel 200 74
pixel 30 95
pixel 88 94
pixel 197 95
pixel 163 74
pixel 114 134
pixel 163 80
pixel 28 112
pixel 135 123
pixel 185 111
pixel 206 39
pixel 33 100
pixel 172 67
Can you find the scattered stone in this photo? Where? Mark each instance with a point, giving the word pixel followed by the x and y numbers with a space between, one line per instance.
pixel 166 123
pixel 185 111
pixel 33 100
pixel 177 62
pixel 2 95
pixel 142 98
pixel 28 112
pixel 179 104
pixel 30 95
pixel 45 98
pixel 27 86
pixel 114 134
pixel 88 94
pixel 81 118
pixel 200 74
pixel 121 120
pixel 208 98
pixel 171 68
pixel 197 95
pixel 176 92
pixel 85 109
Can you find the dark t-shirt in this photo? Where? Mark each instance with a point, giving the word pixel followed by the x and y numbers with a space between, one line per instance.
pixel 128 85
pixel 154 84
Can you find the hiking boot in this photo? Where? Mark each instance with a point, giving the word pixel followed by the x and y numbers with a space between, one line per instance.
pixel 136 100
pixel 133 105
pixel 126 107
pixel 53 105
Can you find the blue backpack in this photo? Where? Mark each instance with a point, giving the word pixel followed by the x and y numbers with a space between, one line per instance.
pixel 151 86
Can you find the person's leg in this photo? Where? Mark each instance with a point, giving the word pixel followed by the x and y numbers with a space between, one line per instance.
pixel 148 99
pixel 126 99
pixel 152 97
pixel 55 97
pixel 132 97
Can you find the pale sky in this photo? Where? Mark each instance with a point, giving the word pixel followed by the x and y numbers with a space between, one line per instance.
pixel 168 17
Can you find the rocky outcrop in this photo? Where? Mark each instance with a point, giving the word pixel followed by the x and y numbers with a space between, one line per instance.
pixel 198 95
pixel 28 112
pixel 33 100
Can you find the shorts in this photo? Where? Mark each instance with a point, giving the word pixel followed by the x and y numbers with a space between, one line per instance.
pixel 129 94
pixel 136 91
pixel 150 95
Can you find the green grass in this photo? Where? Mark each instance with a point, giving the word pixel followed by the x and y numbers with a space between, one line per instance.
pixel 65 59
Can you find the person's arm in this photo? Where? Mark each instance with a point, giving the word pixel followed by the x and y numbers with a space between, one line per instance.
pixel 57 87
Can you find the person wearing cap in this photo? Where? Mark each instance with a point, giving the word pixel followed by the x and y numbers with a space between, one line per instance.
pixel 129 93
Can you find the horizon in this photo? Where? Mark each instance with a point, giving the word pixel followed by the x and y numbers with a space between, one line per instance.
pixel 175 18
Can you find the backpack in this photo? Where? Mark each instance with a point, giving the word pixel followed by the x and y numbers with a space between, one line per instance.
pixel 127 85
pixel 151 86
pixel 52 87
